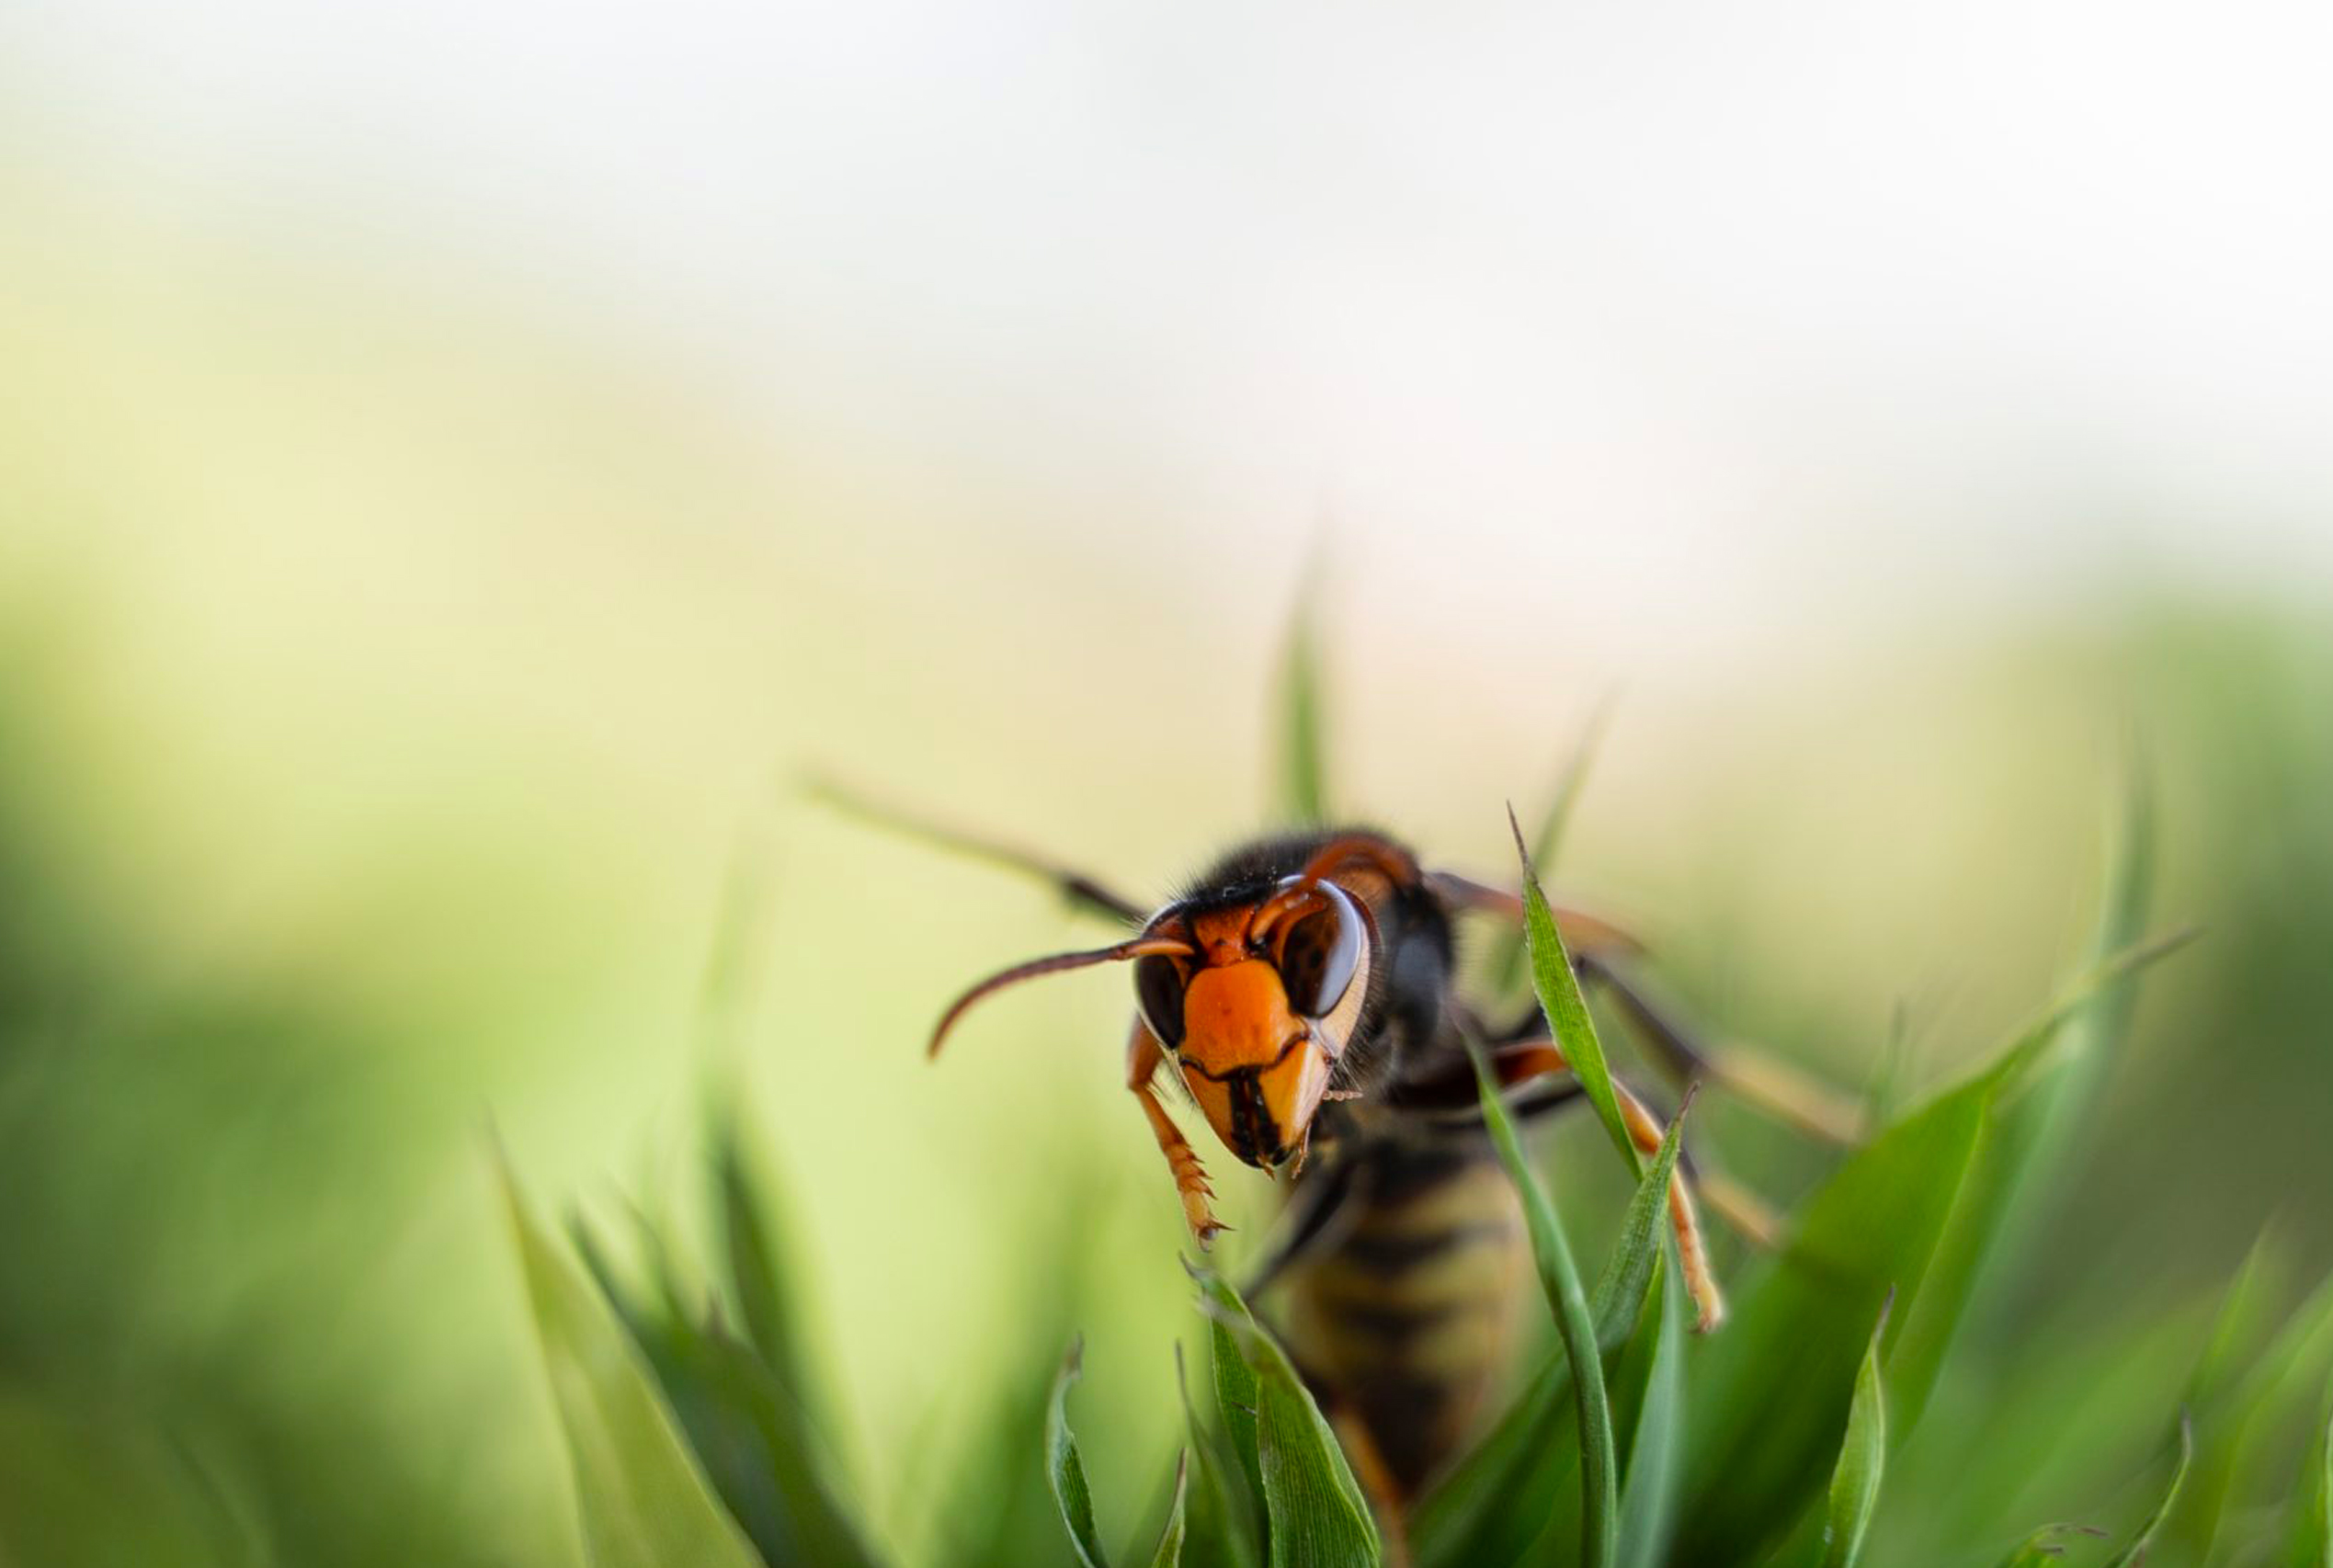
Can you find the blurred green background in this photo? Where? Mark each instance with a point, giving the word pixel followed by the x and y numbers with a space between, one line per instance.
pixel 404 641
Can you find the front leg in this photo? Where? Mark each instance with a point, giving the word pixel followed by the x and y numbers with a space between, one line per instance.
pixel 1143 1058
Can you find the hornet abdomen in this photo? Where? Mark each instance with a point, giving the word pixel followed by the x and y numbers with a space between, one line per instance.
pixel 1407 1318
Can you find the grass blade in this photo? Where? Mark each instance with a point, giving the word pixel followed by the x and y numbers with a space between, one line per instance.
pixel 1559 1278
pixel 1567 1010
pixel 756 1277
pixel 2318 1550
pixel 1628 1274
pixel 1533 1447
pixel 1317 1516
pixel 1651 1486
pixel 2041 1550
pixel 1862 1456
pixel 1222 1524
pixel 1303 787
pixel 1236 1397
pixel 2135 1553
pixel 642 1498
pixel 1170 1540
pixel 1066 1470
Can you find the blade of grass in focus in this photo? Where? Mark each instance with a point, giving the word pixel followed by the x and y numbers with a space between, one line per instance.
pixel 1221 1531
pixel 1065 1469
pixel 1502 1493
pixel 641 1499
pixel 1565 1009
pixel 1559 1280
pixel 1316 1515
pixel 1650 1483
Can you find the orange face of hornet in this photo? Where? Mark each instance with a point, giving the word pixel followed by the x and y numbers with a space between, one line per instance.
pixel 1256 1015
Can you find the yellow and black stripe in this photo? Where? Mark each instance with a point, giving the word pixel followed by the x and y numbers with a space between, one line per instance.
pixel 1407 1319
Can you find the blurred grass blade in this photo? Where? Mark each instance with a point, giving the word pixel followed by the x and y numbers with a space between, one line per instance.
pixel 762 1452
pixel 2041 1550
pixel 2135 1553
pixel 1066 1470
pixel 756 1277
pixel 1559 1279
pixel 1862 1456
pixel 1222 1530
pixel 1318 1515
pixel 1761 1438
pixel 1566 1011
pixel 2233 1412
pixel 1170 1539
pixel 1303 784
pixel 641 1500
pixel 2315 1548
pixel 1507 960
pixel 1650 1486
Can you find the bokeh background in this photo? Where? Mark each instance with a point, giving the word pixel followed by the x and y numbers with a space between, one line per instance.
pixel 461 468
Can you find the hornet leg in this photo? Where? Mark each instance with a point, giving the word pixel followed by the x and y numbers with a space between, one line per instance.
pixel 1143 1058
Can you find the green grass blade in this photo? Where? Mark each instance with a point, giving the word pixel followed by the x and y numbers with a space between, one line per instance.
pixel 1507 958
pixel 1170 1539
pixel 1236 1397
pixel 1066 1470
pixel 2135 1553
pixel 1567 1010
pixel 2319 1548
pixel 2233 1410
pixel 2310 1535
pixel 1559 1279
pixel 1863 1458
pixel 1628 1273
pixel 1762 1440
pixel 2041 1550
pixel 1222 1530
pixel 756 1275
pixel 1318 1515
pixel 1303 784
pixel 1651 1486
pixel 1533 1447
pixel 641 1499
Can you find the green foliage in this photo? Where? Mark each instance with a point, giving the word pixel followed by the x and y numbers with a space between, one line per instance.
pixel 1559 998
pixel 1862 1459
pixel 1315 1514
pixel 1066 1470
pixel 1473 1515
pixel 2135 1552
pixel 641 1497
pixel 1559 1280
pixel 741 1407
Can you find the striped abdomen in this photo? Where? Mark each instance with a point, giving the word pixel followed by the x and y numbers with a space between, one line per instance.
pixel 1407 1320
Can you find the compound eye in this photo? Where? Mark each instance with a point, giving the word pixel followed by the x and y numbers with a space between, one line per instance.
pixel 1158 990
pixel 1319 954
